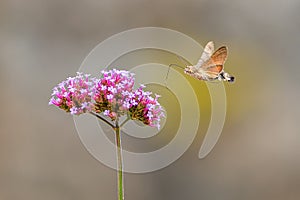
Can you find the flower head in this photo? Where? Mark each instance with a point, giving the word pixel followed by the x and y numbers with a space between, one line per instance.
pixel 114 96
pixel 111 92
pixel 74 95
pixel 145 108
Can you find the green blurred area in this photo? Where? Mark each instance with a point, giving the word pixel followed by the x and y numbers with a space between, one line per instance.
pixel 257 155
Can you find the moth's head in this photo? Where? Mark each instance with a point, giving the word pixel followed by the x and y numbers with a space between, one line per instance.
pixel 189 70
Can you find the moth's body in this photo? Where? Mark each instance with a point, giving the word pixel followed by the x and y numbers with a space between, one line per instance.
pixel 198 73
pixel 205 76
pixel 210 65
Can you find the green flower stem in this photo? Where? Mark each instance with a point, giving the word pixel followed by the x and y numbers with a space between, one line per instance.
pixel 117 128
pixel 124 122
pixel 119 162
pixel 103 119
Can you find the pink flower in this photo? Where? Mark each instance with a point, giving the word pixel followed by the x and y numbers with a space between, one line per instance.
pixel 74 95
pixel 111 92
pixel 112 95
pixel 145 108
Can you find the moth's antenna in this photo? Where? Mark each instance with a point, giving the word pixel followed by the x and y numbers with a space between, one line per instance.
pixel 169 71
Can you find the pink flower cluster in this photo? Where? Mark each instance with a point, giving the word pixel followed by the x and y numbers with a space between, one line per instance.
pixel 74 95
pixel 145 108
pixel 112 95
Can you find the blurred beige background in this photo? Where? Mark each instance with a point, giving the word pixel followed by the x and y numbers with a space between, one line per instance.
pixel 257 156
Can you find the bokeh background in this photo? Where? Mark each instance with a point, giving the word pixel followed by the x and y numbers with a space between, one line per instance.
pixel 258 155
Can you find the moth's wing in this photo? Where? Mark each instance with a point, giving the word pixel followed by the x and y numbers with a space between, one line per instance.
pixel 216 61
pixel 212 74
pixel 207 53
